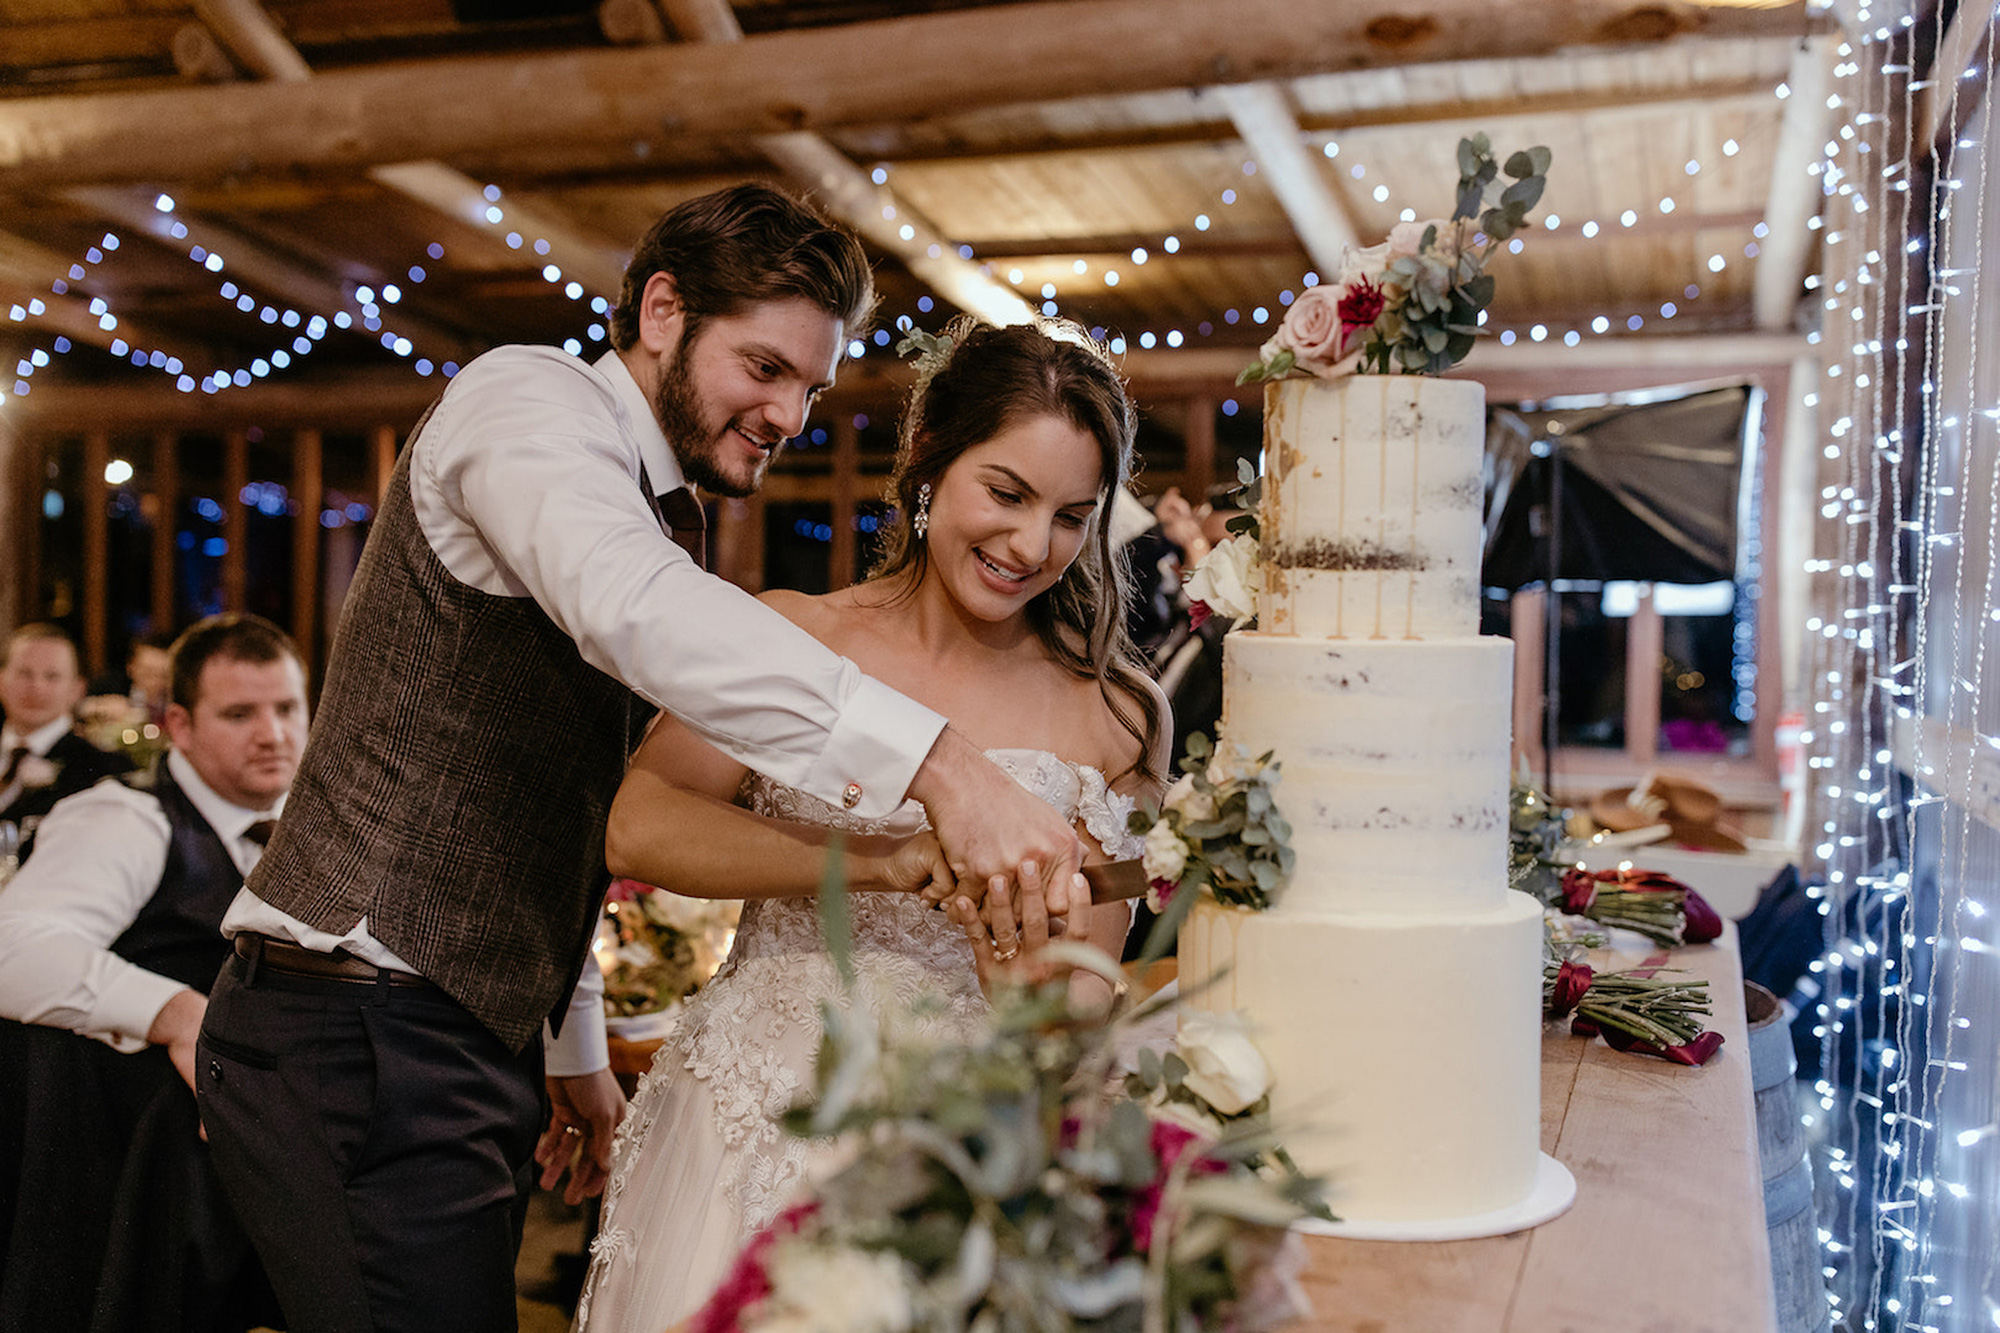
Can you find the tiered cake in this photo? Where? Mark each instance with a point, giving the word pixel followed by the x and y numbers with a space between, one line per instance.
pixel 1396 985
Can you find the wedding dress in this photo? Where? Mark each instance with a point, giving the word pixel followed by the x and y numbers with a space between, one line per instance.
pixel 699 1166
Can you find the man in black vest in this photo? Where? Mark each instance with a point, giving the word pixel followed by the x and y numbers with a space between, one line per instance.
pixel 371 1069
pixel 110 937
pixel 42 758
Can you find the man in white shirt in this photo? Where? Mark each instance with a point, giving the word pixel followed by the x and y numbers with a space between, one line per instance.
pixel 370 1071
pixel 110 937
pixel 42 758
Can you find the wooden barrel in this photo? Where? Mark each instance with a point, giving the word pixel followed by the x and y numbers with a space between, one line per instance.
pixel 1796 1278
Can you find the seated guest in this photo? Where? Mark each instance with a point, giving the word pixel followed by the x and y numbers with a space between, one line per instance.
pixel 143 685
pixel 110 937
pixel 42 758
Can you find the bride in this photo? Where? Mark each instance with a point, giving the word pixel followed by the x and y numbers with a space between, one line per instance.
pixel 998 604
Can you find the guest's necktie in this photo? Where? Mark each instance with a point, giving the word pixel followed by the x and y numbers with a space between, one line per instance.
pixel 686 522
pixel 260 832
pixel 14 759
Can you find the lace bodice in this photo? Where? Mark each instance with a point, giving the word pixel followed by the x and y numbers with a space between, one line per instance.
pixel 699 1163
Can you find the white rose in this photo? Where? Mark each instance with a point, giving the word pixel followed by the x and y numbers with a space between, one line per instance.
pixel 1227 578
pixel 837 1290
pixel 1193 806
pixel 1166 855
pixel 1225 1068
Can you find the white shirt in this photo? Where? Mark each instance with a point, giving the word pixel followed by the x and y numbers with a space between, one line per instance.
pixel 98 860
pixel 39 742
pixel 523 484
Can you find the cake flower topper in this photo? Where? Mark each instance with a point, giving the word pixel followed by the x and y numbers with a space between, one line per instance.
pixel 1412 304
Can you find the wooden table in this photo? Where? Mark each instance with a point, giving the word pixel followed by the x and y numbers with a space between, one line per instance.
pixel 1667 1232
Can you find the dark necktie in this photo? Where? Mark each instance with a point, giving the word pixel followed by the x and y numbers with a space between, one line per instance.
pixel 686 523
pixel 13 765
pixel 260 832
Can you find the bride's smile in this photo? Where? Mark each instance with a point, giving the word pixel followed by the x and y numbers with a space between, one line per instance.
pixel 1010 515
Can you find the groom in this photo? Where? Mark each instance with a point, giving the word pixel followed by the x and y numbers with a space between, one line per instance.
pixel 370 1071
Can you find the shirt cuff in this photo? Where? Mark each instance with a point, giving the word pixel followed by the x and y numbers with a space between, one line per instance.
pixel 127 1006
pixel 878 743
pixel 582 1047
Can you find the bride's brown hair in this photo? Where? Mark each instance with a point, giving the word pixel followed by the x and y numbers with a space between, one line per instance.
pixel 984 381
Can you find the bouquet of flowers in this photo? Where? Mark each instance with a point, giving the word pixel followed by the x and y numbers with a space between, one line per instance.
pixel 656 948
pixel 1637 1011
pixel 1550 867
pixel 1412 304
pixel 1003 1186
pixel 1218 829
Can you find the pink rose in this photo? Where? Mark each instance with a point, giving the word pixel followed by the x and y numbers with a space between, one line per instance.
pixel 1311 329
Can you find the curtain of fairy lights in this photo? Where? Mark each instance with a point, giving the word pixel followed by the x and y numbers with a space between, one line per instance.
pixel 1904 734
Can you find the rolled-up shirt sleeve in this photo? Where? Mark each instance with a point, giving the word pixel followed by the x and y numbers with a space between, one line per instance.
pixel 543 467
pixel 98 860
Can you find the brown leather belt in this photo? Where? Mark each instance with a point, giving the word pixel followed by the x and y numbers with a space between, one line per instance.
pixel 295 960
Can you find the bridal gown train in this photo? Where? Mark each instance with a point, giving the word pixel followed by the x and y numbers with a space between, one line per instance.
pixel 699 1166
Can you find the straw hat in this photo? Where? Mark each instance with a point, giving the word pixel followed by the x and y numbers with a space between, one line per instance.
pixel 1689 809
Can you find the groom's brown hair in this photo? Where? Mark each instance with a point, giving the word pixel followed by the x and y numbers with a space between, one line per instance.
pixel 736 248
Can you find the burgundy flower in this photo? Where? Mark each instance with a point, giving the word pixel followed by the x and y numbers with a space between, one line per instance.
pixel 1359 308
pixel 626 891
pixel 1704 923
pixel 1163 890
pixel 1579 890
pixel 1572 980
pixel 1198 614
pixel 1170 1141
pixel 748 1282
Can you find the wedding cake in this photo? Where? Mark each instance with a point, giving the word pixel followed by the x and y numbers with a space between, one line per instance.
pixel 1395 987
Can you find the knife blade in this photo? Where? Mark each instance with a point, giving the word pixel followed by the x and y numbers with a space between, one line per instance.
pixel 1116 881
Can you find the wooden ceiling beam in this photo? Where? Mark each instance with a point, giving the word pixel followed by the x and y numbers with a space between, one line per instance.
pixel 1785 254
pixel 248 260
pixel 1264 119
pixel 875 211
pixel 253 38
pixel 810 79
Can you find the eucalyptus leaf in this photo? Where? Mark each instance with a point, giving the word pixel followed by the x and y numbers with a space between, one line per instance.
pixel 1094 1295
pixel 1240 1198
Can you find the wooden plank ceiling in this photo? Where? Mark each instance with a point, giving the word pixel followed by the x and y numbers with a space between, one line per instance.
pixel 1158 169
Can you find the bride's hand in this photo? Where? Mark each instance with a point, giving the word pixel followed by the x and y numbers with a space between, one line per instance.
pixel 918 865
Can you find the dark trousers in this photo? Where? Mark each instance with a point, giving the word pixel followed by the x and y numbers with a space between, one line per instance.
pixel 377 1143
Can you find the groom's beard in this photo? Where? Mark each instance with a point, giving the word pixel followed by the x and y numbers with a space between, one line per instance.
pixel 696 438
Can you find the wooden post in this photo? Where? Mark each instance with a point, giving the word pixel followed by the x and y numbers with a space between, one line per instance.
pixel 95 496
pixel 17 515
pixel 846 482
pixel 167 502
pixel 381 460
pixel 307 485
pixel 1200 450
pixel 235 520
pixel 1645 648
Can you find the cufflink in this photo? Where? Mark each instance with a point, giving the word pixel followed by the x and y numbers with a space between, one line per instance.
pixel 851 797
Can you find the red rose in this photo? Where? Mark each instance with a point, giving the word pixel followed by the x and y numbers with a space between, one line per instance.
pixel 1704 923
pixel 1572 980
pixel 1579 891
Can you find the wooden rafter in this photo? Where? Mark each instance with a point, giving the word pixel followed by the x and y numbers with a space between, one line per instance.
pixel 875 211
pixel 254 40
pixel 1785 256
pixel 1263 115
pixel 851 74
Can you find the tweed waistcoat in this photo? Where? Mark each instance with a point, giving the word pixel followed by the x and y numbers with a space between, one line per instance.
pixel 456 781
pixel 178 933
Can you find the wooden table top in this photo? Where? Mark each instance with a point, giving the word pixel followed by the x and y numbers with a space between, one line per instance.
pixel 1667 1232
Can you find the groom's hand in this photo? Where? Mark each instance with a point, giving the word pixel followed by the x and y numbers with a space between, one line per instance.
pixel 584 1112
pixel 990 826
